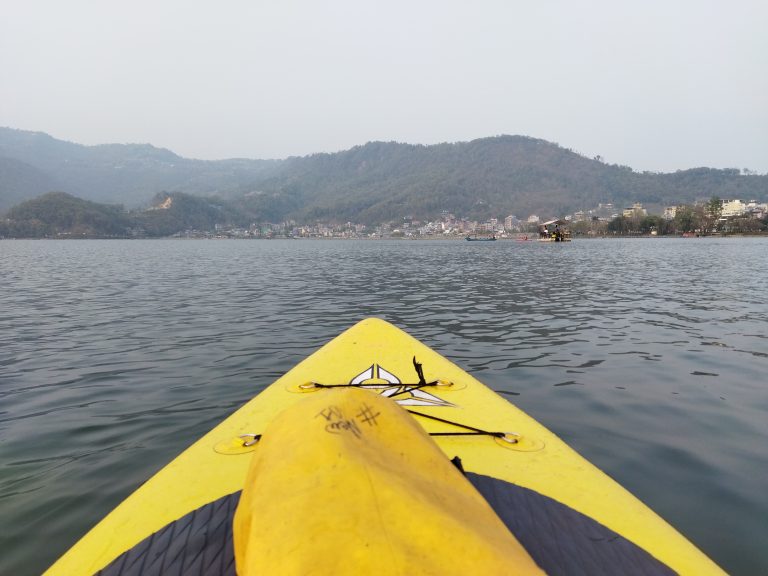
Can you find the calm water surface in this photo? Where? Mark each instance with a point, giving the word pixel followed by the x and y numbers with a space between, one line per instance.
pixel 648 356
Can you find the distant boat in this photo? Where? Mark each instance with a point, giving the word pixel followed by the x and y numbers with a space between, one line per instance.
pixel 551 231
pixel 480 238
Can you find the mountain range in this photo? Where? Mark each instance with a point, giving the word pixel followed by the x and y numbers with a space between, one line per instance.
pixel 371 183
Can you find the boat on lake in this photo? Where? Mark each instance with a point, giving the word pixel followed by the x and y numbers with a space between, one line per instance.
pixel 481 237
pixel 554 231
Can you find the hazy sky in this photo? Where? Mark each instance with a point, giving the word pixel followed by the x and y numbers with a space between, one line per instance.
pixel 655 84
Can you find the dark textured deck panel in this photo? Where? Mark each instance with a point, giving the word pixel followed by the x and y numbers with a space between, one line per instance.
pixel 197 544
pixel 561 540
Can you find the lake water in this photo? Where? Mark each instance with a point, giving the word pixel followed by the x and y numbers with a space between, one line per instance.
pixel 648 356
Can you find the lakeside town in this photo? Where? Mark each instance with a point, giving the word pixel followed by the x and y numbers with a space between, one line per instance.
pixel 716 216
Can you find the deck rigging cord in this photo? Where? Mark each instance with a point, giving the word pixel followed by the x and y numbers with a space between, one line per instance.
pixel 510 437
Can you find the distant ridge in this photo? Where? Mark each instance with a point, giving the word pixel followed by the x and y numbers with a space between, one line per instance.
pixel 19 182
pixel 61 215
pixel 58 213
pixel 371 183
pixel 129 174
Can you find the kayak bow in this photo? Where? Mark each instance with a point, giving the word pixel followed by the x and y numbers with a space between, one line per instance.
pixel 377 455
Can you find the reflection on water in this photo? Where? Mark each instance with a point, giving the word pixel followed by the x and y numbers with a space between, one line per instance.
pixel 647 356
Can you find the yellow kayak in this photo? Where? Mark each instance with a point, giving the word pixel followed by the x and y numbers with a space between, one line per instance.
pixel 376 455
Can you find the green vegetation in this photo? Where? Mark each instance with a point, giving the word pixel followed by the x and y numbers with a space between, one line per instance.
pixel 491 176
pixel 129 174
pixel 687 219
pixel 712 211
pixel 181 212
pixel 700 219
pixel 60 214
pixel 370 184
pixel 640 225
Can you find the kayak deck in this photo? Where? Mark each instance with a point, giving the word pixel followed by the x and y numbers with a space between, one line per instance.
pixel 557 538
pixel 569 515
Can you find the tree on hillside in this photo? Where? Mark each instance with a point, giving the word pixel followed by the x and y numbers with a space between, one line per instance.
pixel 620 225
pixel 593 226
pixel 712 212
pixel 653 222
pixel 58 213
pixel 746 225
pixel 685 220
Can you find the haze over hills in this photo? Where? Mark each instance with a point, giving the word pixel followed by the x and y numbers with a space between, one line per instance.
pixel 128 174
pixel 370 183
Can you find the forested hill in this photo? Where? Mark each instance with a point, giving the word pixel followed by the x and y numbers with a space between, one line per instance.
pixel 129 174
pixel 486 177
pixel 372 183
pixel 58 213
pixel 61 215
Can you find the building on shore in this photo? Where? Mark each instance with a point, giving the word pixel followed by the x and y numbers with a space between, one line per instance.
pixel 733 208
pixel 636 210
pixel 669 212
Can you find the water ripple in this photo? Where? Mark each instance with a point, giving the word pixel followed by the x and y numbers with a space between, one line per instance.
pixel 647 356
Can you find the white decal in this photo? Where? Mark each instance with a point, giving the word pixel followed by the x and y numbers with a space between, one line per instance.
pixel 363 376
pixel 388 376
pixel 390 386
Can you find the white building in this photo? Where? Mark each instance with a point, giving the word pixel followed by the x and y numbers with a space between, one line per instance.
pixel 733 208
pixel 636 210
pixel 669 213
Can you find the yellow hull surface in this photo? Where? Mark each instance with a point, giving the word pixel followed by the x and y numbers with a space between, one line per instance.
pixel 376 455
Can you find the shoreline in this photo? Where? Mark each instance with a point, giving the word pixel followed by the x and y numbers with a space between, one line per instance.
pixel 408 239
